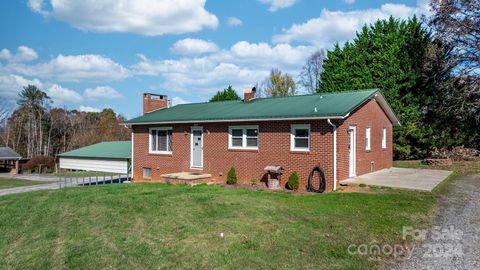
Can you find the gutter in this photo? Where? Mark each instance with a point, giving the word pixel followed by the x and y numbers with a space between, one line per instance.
pixel 334 154
pixel 131 158
pixel 237 120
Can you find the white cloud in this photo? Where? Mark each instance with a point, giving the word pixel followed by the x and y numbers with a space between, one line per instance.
pixel 37 6
pixel 75 68
pixel 178 101
pixel 11 85
pixel 146 17
pixel 83 108
pixel 102 92
pixel 234 21
pixel 339 26
pixel 23 54
pixel 262 54
pixel 193 46
pixel 278 4
pixel 60 94
pixel 5 54
pixel 349 1
pixel 243 65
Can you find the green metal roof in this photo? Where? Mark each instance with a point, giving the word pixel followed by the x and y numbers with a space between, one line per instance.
pixel 103 150
pixel 325 105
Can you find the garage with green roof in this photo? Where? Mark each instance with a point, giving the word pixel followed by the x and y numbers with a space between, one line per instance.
pixel 106 157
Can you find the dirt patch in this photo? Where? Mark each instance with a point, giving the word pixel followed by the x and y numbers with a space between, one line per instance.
pixel 349 188
pixel 362 189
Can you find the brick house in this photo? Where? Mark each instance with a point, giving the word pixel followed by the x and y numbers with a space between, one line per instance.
pixel 346 133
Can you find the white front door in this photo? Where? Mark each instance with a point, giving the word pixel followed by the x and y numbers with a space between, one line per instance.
pixel 352 148
pixel 197 147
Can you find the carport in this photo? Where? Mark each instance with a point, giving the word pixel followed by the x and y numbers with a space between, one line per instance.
pixel 10 159
pixel 101 163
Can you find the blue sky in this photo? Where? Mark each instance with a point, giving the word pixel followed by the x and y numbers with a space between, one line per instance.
pixel 94 54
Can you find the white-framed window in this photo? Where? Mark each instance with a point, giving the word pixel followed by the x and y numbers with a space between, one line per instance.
pixel 367 138
pixel 147 172
pixel 300 138
pixel 384 138
pixel 161 140
pixel 243 137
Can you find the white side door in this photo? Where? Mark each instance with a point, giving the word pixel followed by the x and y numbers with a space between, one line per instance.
pixel 197 147
pixel 352 148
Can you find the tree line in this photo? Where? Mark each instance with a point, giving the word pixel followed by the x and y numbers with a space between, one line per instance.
pixel 34 128
pixel 428 70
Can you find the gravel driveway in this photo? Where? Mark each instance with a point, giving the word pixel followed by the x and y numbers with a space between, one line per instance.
pixel 453 242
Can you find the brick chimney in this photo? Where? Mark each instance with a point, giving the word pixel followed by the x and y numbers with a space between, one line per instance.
pixel 249 94
pixel 152 102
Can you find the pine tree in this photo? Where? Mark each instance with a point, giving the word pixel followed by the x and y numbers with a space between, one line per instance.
pixel 387 55
pixel 227 94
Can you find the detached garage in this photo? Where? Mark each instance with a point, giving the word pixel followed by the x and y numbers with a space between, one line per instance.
pixel 107 157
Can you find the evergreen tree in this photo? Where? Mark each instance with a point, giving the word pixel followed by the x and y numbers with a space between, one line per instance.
pixel 227 94
pixel 388 55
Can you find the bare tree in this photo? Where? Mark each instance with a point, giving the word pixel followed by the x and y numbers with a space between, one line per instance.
pixel 311 71
pixel 278 84
pixel 457 24
pixel 4 112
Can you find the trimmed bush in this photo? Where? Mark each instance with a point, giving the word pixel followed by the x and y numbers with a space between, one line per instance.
pixel 232 176
pixel 293 182
pixel 34 163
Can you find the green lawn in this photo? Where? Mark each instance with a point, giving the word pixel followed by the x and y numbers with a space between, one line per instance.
pixel 162 226
pixel 11 183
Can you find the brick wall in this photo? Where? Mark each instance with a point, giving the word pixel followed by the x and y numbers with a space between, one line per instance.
pixel 273 149
pixel 362 118
pixel 152 102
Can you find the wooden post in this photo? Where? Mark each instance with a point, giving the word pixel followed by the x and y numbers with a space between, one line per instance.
pixel 17 166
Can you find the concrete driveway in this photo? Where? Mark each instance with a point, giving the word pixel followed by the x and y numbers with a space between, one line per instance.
pixel 418 179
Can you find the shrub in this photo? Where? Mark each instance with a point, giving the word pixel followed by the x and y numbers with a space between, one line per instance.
pixel 34 163
pixel 231 176
pixel 293 182
pixel 253 182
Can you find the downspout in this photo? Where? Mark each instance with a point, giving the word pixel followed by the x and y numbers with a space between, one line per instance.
pixel 334 154
pixel 131 159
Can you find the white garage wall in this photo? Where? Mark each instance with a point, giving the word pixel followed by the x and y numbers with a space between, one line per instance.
pixel 98 165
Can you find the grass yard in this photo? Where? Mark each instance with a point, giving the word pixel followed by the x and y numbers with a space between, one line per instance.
pixel 11 183
pixel 163 226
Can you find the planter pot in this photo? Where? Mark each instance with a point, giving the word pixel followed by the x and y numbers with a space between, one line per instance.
pixel 273 184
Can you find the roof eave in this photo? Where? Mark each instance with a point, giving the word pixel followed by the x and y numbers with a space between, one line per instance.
pixel 387 108
pixel 93 157
pixel 238 120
